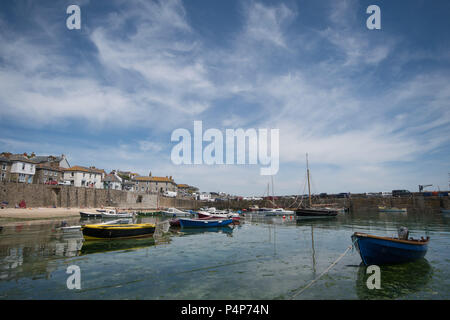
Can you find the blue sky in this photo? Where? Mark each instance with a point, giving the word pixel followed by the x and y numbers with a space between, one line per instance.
pixel 371 107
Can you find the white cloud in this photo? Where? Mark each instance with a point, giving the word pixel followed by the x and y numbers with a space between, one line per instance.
pixel 160 75
pixel 266 23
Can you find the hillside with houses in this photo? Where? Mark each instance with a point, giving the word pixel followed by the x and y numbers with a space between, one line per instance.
pixel 56 170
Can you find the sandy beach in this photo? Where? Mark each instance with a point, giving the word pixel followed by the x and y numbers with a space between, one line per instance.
pixel 41 213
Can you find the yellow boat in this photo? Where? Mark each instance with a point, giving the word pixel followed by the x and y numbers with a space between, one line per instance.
pixel 115 231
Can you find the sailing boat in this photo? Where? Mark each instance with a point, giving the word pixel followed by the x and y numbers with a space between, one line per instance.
pixel 310 211
pixel 268 212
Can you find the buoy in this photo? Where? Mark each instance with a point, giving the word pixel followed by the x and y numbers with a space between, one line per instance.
pixel 284 217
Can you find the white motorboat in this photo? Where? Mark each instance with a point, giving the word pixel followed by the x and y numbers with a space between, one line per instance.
pixel 86 214
pixel 213 210
pixel 114 214
pixel 275 212
pixel 174 212
pixel 226 215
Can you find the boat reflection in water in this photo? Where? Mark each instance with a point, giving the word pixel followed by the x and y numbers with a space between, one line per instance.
pixel 397 281
pixel 159 236
pixel 192 231
pixel 101 246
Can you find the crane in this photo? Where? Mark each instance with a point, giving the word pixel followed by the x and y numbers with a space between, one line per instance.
pixel 423 186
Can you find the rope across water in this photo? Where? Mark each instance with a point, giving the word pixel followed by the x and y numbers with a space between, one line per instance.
pixel 326 270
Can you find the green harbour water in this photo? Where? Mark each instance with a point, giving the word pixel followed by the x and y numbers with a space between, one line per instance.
pixel 262 258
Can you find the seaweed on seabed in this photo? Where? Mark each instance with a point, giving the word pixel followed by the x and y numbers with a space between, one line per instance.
pixel 397 280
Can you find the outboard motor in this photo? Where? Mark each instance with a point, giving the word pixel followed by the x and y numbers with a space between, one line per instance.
pixel 403 233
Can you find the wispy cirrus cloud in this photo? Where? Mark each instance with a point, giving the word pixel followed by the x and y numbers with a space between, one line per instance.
pixel 145 69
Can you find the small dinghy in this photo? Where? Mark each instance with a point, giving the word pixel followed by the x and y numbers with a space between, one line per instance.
pixel 204 223
pixel 389 250
pixel 175 222
pixel 117 231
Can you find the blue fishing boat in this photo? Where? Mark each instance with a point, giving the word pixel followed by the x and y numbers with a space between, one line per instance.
pixel 375 250
pixel 201 223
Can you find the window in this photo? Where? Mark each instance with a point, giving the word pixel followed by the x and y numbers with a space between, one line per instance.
pixel 3 176
pixel 4 166
pixel 21 177
pixel 23 166
pixel 45 172
pixel 71 174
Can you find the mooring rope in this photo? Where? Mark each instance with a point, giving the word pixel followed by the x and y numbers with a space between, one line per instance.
pixel 326 270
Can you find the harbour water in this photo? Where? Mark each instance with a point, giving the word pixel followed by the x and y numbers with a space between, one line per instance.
pixel 262 258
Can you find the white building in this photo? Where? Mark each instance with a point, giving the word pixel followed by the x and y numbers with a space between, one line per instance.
pixel 22 169
pixel 204 197
pixel 84 177
pixel 112 181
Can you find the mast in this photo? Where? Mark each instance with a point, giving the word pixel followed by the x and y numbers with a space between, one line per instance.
pixel 273 194
pixel 309 187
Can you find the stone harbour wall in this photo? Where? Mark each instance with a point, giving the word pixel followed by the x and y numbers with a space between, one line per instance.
pixel 39 195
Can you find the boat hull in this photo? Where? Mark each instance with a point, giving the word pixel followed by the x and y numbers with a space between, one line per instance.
pixel 382 250
pixel 90 215
pixel 173 214
pixel 175 222
pixel 93 232
pixel 204 223
pixel 315 213
pixel 278 213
